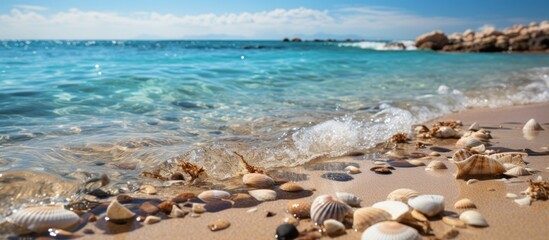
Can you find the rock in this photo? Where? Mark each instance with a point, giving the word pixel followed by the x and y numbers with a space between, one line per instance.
pixel 151 220
pixel 395 46
pixel 148 189
pixel 178 213
pixel 166 206
pixel 519 43
pixel 286 231
pixel 296 40
pixel 149 208
pixel 435 40
pixel 124 198
pixel 183 197
pixel 118 213
pixel 285 40
pixel 540 43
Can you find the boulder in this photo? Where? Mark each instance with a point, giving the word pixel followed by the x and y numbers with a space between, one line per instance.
pixel 540 43
pixel 435 40
pixel 395 46
pixel 519 43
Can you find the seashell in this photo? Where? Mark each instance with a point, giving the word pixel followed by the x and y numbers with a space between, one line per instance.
pixel 435 165
pixel 291 220
pixel 445 132
pixel 468 142
pixel 219 225
pixel 349 199
pixel 263 195
pixel 213 195
pixel 430 205
pixel 471 181
pixel 478 165
pixel 516 158
pixel 382 170
pixel 434 154
pixel 333 228
pixel 151 219
pixel 326 207
pixel 291 187
pixel 352 170
pixel 461 155
pixel 473 218
pixel 517 171
pixel 148 189
pixel 300 208
pixel 395 208
pixel 449 234
pixel 509 166
pixel 482 135
pixel 368 216
pixel 454 222
pixel 526 201
pixel 418 216
pixel 286 231
pixel 532 125
pixel 402 195
pixel 400 163
pixel 416 162
pixel 379 163
pixel 118 213
pixel 198 208
pixel 478 149
pixel 258 180
pixel 395 154
pixel 464 203
pixel 390 230
pixel 421 129
pixel 40 218
pixel 511 195
pixel 474 127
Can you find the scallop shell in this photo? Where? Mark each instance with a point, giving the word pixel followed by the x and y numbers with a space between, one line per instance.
pixel 430 205
pixel 41 218
pixel 291 187
pixel 326 207
pixel 468 142
pixel 416 162
pixel 263 194
pixel 352 170
pixel 532 125
pixel 213 195
pixel 402 195
pixel 464 203
pixel 333 228
pixel 368 216
pixel 479 165
pixel 517 171
pixel 258 180
pixel 300 208
pixel 397 209
pixel 349 199
pixel 436 164
pixel 390 230
pixel 474 127
pixel 445 132
pixel 473 218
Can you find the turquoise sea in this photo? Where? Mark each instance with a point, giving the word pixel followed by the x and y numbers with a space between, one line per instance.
pixel 72 110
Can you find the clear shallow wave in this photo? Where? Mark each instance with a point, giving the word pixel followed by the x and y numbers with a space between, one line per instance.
pixel 76 109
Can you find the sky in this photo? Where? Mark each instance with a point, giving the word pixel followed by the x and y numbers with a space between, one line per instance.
pixel 258 19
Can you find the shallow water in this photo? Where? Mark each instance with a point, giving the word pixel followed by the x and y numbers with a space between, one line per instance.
pixel 76 109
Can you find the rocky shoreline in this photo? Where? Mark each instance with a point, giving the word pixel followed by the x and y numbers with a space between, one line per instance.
pixel 518 38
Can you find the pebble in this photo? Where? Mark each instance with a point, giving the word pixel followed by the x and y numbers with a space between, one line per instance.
pixel 88 231
pixel 148 189
pixel 117 212
pixel 335 176
pixel 379 163
pixel 511 195
pixel 92 218
pixel 151 220
pixel 166 206
pixel 291 220
pixel 149 208
pixel 124 198
pixel 183 197
pixel 286 231
pixel 251 210
pixel 219 225
pixel 198 208
pixel 434 154
pixel 178 213
pixel 352 170
pixel 381 170
pixel 334 228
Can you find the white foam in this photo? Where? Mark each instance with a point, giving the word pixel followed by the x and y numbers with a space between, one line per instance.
pixel 380 46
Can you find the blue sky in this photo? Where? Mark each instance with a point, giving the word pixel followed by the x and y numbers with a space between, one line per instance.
pixel 209 19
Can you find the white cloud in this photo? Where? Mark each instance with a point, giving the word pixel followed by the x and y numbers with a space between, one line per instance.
pixel 31 7
pixel 26 23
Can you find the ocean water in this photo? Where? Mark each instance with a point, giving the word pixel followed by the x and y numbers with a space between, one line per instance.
pixel 72 110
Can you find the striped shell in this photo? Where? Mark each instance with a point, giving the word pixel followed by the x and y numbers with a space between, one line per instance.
pixel 464 203
pixel 397 209
pixel 516 158
pixel 461 155
pixel 349 198
pixel 213 195
pixel 473 218
pixel 291 187
pixel 391 231
pixel 532 125
pixel 430 205
pixel 368 216
pixel 468 142
pixel 445 132
pixel 479 165
pixel 402 195
pixel 517 171
pixel 326 207
pixel 263 194
pixel 258 180
pixel 435 164
pixel 41 218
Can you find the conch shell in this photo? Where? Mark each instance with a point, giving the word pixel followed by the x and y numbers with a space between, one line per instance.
pixel 479 166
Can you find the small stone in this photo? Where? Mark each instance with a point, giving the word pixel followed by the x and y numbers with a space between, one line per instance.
pixel 100 193
pixel 381 170
pixel 270 214
pixel 88 231
pixel 291 220
pixel 379 163
pixel 117 212
pixel 352 170
pixel 251 210
pixel 219 225
pixel 177 213
pixel 124 198
pixel 334 228
pixel 286 231
pixel 511 195
pixel 166 206
pixel 194 215
pixel 183 197
pixel 471 181
pixel 198 208
pixel 151 220
pixel 63 234
pixel 149 208
pixel 92 218
pixel 148 189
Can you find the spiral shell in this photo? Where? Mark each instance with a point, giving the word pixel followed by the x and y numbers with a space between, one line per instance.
pixel 213 195
pixel 464 203
pixel 390 230
pixel 368 216
pixel 473 218
pixel 258 180
pixel 326 207
pixel 41 218
pixel 479 165
pixel 402 195
pixel 349 199
pixel 430 205
pixel 397 209
pixel 435 165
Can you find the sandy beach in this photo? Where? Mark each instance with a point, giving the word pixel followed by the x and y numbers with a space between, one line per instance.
pixel 253 220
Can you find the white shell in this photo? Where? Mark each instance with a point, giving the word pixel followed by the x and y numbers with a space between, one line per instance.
pixel 368 216
pixel 416 162
pixel 333 227
pixel 511 195
pixel 263 194
pixel 464 203
pixel 349 198
pixel 435 165
pixel 213 195
pixel 508 166
pixel 352 170
pixel 258 180
pixel 532 125
pixel 474 127
pixel 516 158
pixel 471 181
pixel 395 208
pixel 430 205
pixel 41 218
pixel 445 132
pixel 468 142
pixel 390 231
pixel 326 207
pixel 478 149
pixel 402 195
pixel 479 165
pixel 526 201
pixel 517 171
pixel 473 218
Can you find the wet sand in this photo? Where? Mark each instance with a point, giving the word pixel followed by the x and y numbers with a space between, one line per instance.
pixel 505 218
